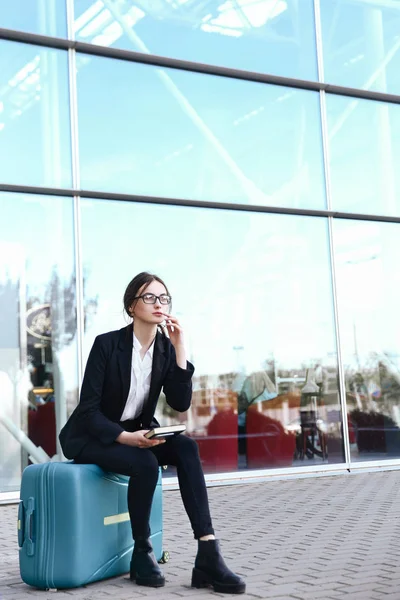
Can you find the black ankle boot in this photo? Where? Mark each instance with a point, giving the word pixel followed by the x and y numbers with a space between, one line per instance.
pixel 210 569
pixel 144 567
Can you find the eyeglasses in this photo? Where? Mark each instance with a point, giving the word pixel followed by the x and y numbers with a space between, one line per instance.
pixel 151 298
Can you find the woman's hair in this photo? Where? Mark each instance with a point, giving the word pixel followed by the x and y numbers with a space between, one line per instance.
pixel 132 290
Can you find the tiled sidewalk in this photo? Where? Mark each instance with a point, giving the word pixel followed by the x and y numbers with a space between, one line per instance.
pixel 314 538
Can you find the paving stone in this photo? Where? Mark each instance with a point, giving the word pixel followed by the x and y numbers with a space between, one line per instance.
pixel 335 537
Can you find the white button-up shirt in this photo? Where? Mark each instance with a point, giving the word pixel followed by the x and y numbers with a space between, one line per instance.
pixel 140 381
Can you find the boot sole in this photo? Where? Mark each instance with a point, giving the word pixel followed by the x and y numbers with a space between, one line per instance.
pixel 148 582
pixel 202 580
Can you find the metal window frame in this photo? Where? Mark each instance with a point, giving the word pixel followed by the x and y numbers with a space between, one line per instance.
pixel 74 133
pixel 186 65
pixel 325 151
pixel 169 201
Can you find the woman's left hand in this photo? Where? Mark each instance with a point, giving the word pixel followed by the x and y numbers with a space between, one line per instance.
pixel 175 331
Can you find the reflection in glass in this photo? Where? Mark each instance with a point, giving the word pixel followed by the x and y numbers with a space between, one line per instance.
pixel 38 346
pixel 364 148
pixel 47 17
pixel 269 36
pixel 256 305
pixel 368 280
pixel 186 135
pixel 34 116
pixel 361 44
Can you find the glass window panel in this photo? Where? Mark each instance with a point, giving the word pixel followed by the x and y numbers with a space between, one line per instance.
pixel 47 17
pixel 361 43
pixel 38 346
pixel 368 284
pixel 364 145
pixel 256 305
pixel 35 144
pixel 268 36
pixel 186 135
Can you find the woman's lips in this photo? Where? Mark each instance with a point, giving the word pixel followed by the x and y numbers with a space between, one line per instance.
pixel 158 314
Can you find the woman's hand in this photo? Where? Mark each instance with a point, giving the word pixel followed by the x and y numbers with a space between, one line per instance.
pixel 138 439
pixel 175 331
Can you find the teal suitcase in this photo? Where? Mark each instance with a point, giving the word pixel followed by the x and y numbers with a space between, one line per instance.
pixel 73 525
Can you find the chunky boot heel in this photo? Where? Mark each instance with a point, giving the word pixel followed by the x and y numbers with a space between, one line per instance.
pixel 210 570
pixel 144 567
pixel 200 579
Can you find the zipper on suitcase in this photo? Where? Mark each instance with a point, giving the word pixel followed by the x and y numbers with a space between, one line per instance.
pixel 44 512
pixel 50 522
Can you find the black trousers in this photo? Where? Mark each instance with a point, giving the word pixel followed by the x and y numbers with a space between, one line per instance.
pixel 142 465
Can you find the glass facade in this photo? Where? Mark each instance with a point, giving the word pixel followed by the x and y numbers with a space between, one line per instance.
pixel 45 17
pixel 267 36
pixel 35 142
pixel 270 207
pixel 38 348
pixel 197 137
pixel 368 296
pixel 360 44
pixel 364 145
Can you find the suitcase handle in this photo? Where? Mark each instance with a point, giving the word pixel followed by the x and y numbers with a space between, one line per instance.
pixel 30 545
pixel 21 524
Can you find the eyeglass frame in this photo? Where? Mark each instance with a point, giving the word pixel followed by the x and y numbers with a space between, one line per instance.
pixel 155 298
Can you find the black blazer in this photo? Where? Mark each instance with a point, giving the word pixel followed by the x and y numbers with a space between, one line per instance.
pixel 106 384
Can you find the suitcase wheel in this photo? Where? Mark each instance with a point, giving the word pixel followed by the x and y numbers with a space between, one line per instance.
pixel 164 557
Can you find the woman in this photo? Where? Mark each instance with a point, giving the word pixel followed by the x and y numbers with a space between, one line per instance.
pixel 124 375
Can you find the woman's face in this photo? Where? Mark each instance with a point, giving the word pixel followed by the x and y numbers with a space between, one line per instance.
pixel 150 313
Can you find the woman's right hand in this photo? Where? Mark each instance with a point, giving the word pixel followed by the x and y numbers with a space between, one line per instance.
pixel 138 439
